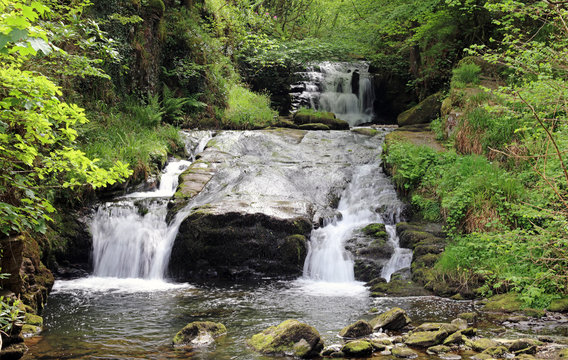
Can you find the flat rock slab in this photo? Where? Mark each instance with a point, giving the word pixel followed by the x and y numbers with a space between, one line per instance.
pixel 250 190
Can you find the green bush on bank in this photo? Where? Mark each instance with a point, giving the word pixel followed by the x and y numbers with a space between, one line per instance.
pixel 248 110
pixel 132 134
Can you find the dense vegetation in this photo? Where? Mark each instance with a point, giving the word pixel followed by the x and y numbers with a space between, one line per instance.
pixel 139 70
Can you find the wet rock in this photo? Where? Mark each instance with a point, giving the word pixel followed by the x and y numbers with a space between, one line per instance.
pixel 365 131
pixel 356 330
pixel 292 337
pixel 438 349
pixel 403 352
pixel 371 250
pixel 426 338
pixel 13 351
pixel 455 339
pixel 470 317
pixel 394 319
pixel 265 186
pixel 314 126
pixel 460 323
pixel 331 349
pixel 521 344
pixel 483 344
pixel 199 333
pixel 397 287
pixel 426 111
pixel 496 351
pixel 470 331
pixel 309 117
pixel 559 305
pixel 357 349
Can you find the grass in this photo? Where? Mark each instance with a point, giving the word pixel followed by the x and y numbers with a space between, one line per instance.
pixel 130 134
pixel 248 110
pixel 466 74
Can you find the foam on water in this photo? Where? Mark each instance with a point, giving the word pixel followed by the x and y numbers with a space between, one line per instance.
pixel 115 285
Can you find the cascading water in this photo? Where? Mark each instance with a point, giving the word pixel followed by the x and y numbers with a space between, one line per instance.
pixel 400 259
pixel 342 88
pixel 131 238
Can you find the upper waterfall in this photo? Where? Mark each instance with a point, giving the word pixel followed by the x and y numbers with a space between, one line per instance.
pixel 344 89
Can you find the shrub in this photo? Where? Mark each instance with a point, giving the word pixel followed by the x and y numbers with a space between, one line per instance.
pixel 248 110
pixel 466 74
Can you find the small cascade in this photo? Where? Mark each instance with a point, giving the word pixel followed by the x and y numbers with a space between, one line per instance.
pixel 342 88
pixel 327 258
pixel 131 238
pixel 401 257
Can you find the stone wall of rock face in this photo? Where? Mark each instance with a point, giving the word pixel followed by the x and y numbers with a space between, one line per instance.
pixel 265 192
pixel 29 279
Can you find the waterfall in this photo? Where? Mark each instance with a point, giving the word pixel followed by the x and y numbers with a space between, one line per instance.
pixel 131 238
pixel 369 198
pixel 400 259
pixel 342 88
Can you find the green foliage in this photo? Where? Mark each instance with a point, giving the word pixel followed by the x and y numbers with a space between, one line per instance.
pixel 466 74
pixel 125 134
pixel 248 110
pixel 410 164
pixel 10 314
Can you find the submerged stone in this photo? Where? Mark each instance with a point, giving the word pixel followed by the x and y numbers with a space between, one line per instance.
pixel 199 333
pixel 290 337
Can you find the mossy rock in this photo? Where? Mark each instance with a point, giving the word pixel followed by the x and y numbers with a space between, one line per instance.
pixel 401 352
pixel 483 344
pixel 314 126
pixel 398 288
pixel 283 123
pixel 32 319
pixel 470 317
pixel 294 249
pixel 426 338
pixel 496 351
pixel 356 330
pixel 455 339
pixel 357 349
pixel 290 337
pixel 199 333
pixel 394 319
pixel 423 113
pixel 30 330
pixel 365 131
pixel 377 231
pixel 509 302
pixel 438 349
pixel 157 5
pixel 563 354
pixel 559 305
pixel 308 116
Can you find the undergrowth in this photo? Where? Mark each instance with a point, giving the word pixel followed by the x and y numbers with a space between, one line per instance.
pixel 248 110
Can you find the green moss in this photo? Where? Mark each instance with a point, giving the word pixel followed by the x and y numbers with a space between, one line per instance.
pixel 30 330
pixel 290 336
pixel 403 353
pixel 496 351
pixel 509 302
pixel 314 126
pixel 559 305
pixel 483 344
pixel 358 348
pixel 365 131
pixel 375 230
pixel 31 319
pixel 426 338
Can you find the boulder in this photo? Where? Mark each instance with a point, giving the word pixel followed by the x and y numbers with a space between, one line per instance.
pixel 307 116
pixel 438 349
pixel 509 302
pixel 426 338
pixel 365 131
pixel 423 113
pixel 394 319
pixel 357 349
pixel 290 337
pixel 483 344
pixel 356 330
pixel 314 126
pixel 199 333
pixel 245 209
pixel 402 352
pixel 455 339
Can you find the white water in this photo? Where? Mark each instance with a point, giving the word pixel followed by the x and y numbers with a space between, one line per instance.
pixel 131 238
pixel 400 259
pixel 327 259
pixel 328 87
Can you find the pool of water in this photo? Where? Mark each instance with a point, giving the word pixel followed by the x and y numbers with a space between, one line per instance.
pixel 102 318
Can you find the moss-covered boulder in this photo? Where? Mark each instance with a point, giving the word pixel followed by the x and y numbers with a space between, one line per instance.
pixel 356 330
pixel 366 131
pixel 309 116
pixel 456 338
pixel 402 352
pixel 199 333
pixel 290 337
pixel 423 113
pixel 426 338
pixel 314 126
pixel 398 287
pixel 559 305
pixel 357 349
pixel 394 319
pixel 509 302
pixel 438 349
pixel 496 351
pixel 483 344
